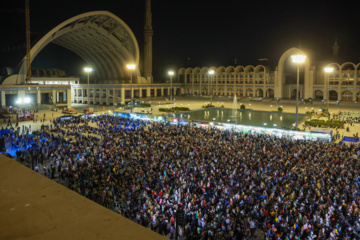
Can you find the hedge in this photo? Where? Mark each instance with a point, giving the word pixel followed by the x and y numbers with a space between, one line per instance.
pixel 174 109
pixel 135 105
pixel 143 105
pixel 181 109
pixel 330 123
pixel 208 106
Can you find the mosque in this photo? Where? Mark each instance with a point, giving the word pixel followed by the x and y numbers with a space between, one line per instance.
pixel 317 80
pixel 107 44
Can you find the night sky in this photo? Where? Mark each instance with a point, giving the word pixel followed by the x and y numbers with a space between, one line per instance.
pixel 210 33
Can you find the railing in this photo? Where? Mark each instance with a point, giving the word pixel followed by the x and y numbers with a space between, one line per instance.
pixel 261 84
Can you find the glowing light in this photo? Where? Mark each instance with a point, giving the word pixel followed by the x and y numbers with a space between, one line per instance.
pixel 298 58
pixel 88 69
pixel 131 66
pixel 329 69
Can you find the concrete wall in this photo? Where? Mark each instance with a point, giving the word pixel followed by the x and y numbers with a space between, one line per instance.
pixel 34 207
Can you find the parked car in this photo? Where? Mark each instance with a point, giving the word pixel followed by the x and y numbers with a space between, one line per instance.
pixel 54 109
pixel 146 111
pixel 89 110
pixel 70 111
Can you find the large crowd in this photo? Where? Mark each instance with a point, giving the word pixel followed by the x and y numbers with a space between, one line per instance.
pixel 230 185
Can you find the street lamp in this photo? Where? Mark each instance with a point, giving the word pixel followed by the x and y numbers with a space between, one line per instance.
pixel 211 72
pixel 88 70
pixel 327 70
pixel 131 67
pixel 298 59
pixel 171 73
pixel 25 100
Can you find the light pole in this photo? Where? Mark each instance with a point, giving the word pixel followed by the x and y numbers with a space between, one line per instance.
pixel 171 73
pixel 23 101
pixel 211 73
pixel 298 59
pixel 131 67
pixel 88 70
pixel 327 70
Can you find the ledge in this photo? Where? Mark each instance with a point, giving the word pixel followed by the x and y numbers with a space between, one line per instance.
pixel 35 207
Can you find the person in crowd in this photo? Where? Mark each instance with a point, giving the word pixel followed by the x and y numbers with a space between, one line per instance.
pixel 230 185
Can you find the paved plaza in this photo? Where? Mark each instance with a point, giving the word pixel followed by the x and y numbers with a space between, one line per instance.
pixel 289 106
pixel 195 103
pixel 46 116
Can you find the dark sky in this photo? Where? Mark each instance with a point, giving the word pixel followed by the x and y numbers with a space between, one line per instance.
pixel 211 33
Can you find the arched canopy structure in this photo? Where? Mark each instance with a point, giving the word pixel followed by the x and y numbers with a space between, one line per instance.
pixel 239 69
pixel 249 68
pixel 181 71
pixel 258 68
pixel 196 70
pixel 204 70
pixel 101 38
pixel 219 70
pixel 280 81
pixel 188 71
pixel 229 69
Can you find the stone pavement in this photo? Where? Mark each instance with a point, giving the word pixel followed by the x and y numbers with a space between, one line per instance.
pixel 289 106
pixel 196 103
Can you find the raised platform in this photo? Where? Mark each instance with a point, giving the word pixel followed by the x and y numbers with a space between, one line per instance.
pixel 34 207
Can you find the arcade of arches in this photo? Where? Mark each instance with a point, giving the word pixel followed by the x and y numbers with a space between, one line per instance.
pixel 343 84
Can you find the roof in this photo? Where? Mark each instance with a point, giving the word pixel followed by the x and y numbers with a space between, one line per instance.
pixel 101 38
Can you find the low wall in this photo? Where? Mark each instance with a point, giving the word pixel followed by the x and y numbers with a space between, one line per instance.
pixel 35 207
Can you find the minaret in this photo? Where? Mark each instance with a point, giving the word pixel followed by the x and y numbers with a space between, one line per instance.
pixel 148 33
pixel 335 48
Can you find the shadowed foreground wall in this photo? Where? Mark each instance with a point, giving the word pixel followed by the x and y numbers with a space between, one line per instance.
pixel 34 207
